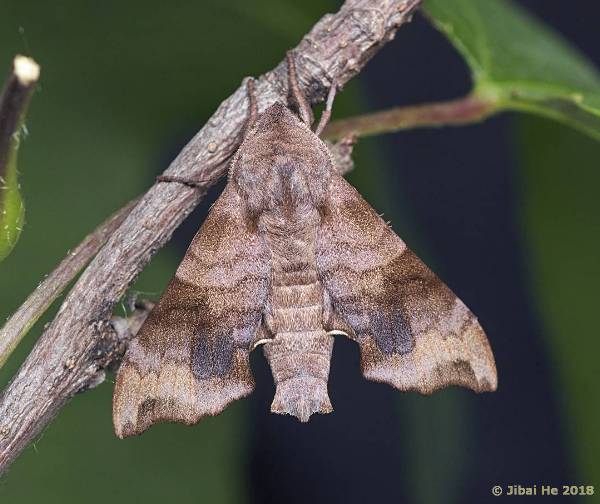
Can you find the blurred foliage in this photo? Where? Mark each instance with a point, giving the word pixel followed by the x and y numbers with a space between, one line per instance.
pixel 519 63
pixel 523 65
pixel 561 226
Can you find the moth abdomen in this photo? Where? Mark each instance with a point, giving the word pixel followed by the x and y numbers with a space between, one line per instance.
pixel 300 351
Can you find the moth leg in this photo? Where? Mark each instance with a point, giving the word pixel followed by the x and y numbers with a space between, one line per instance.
pixel 327 112
pixel 196 184
pixel 250 121
pixel 252 108
pixel 294 89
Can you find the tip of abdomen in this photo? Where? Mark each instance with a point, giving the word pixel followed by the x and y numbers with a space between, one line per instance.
pixel 300 366
pixel 301 397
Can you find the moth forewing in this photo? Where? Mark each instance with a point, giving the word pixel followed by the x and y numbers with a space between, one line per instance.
pixel 190 358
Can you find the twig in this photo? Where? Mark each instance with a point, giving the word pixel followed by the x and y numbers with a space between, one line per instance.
pixel 49 289
pixel 114 341
pixel 13 102
pixel 126 328
pixel 469 109
pixel 337 47
pixel 342 153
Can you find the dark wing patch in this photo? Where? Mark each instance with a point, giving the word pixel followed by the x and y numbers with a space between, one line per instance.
pixel 190 358
pixel 413 332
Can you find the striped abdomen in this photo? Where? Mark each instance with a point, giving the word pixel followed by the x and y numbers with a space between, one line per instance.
pixel 300 351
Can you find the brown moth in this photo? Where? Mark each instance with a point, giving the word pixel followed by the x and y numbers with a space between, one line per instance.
pixel 289 255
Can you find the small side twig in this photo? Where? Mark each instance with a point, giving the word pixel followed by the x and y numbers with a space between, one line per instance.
pixel 466 110
pixel 342 153
pixel 126 328
pixel 113 339
pixel 13 103
pixel 17 326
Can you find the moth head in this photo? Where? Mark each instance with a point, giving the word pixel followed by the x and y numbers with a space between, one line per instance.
pixel 281 164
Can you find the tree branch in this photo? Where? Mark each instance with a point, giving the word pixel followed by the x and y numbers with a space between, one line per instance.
pixel 469 109
pixel 338 46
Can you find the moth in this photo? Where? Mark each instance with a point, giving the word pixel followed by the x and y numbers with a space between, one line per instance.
pixel 289 256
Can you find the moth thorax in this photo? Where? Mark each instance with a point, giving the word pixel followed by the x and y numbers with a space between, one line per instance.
pixel 300 366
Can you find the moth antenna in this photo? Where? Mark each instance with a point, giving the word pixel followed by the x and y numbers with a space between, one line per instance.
pixel 190 182
pixel 325 116
pixel 294 90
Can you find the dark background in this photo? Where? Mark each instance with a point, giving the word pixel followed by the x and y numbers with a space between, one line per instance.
pixel 506 212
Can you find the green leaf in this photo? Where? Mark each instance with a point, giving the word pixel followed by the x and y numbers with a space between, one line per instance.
pixel 518 63
pixel 13 106
pixel 12 210
pixel 561 230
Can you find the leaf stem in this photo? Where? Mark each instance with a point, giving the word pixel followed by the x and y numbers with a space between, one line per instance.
pixel 466 110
